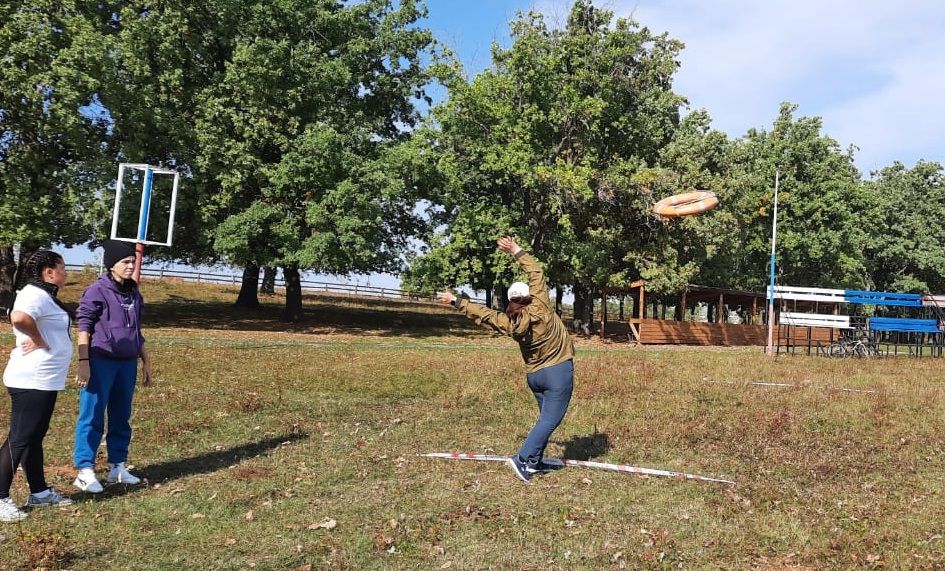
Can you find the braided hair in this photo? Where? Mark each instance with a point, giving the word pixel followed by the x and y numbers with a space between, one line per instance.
pixel 32 273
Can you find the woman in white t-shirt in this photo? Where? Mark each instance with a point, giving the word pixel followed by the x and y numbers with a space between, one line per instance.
pixel 34 376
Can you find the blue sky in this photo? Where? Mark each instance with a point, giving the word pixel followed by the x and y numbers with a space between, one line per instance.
pixel 874 71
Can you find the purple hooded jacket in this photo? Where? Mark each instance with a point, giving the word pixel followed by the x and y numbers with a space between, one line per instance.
pixel 111 315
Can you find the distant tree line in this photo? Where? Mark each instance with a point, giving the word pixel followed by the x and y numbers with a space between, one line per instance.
pixel 309 141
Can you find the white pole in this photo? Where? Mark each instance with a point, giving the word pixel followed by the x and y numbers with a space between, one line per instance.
pixel 774 239
pixel 118 186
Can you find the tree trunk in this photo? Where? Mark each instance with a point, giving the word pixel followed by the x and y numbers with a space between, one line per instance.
pixel 583 310
pixel 7 275
pixel 559 297
pixel 268 286
pixel 489 298
pixel 293 294
pixel 26 252
pixel 249 290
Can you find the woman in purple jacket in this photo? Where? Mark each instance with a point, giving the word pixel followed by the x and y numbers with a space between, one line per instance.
pixel 109 345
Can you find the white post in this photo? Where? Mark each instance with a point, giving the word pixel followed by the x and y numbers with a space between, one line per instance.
pixel 774 239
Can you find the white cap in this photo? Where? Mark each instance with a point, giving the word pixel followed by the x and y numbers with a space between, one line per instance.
pixel 518 289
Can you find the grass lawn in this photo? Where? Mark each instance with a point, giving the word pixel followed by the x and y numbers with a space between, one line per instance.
pixel 274 446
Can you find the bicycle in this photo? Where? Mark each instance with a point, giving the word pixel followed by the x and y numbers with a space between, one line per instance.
pixel 849 346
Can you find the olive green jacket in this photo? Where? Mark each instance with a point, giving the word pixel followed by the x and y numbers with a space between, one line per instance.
pixel 541 335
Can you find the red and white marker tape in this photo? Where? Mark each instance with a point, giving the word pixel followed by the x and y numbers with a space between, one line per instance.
pixel 584 464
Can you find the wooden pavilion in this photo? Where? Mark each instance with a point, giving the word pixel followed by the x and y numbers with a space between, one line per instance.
pixel 678 319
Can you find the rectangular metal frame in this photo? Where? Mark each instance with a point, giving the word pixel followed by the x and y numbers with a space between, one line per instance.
pixel 144 211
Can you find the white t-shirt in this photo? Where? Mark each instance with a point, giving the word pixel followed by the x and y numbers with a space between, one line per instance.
pixel 40 369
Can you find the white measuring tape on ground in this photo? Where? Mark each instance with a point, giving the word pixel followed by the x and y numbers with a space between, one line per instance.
pixel 788 385
pixel 583 464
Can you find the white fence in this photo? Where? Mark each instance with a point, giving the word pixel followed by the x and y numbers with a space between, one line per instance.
pixel 307 286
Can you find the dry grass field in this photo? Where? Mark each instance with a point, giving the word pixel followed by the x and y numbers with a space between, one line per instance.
pixel 274 446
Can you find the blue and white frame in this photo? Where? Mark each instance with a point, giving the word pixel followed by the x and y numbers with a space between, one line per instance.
pixel 145 210
pixel 862 297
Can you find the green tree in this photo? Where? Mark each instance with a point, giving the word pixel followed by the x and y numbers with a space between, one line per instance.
pixel 822 206
pixel 89 85
pixel 906 249
pixel 302 137
pixel 559 143
pixel 162 58
pixel 50 162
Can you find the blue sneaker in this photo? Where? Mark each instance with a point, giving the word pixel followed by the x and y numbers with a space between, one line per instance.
pixel 48 497
pixel 520 469
pixel 543 467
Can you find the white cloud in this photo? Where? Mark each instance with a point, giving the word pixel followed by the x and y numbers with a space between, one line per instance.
pixel 873 70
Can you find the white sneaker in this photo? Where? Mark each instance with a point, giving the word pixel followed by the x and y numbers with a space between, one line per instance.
pixel 87 482
pixel 52 498
pixel 120 475
pixel 9 511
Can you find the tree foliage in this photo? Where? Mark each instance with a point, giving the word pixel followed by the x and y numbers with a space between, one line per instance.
pixel 906 247
pixel 296 127
pixel 566 141
pixel 302 135
pixel 50 163
pixel 822 216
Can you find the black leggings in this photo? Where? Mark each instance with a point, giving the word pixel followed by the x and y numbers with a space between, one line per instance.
pixel 29 421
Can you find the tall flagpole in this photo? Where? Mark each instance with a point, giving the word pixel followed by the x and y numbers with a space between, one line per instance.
pixel 774 239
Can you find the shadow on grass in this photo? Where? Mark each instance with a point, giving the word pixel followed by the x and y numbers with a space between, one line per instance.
pixel 585 447
pixel 322 314
pixel 204 463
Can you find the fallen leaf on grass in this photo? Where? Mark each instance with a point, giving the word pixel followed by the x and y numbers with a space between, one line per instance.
pixel 738 499
pixel 327 524
pixel 198 516
pixel 249 515
pixel 230 541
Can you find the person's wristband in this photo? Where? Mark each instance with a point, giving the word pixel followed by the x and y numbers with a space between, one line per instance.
pixel 455 301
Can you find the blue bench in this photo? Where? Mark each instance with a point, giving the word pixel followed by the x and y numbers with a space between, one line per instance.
pixel 904 324
pixel 883 298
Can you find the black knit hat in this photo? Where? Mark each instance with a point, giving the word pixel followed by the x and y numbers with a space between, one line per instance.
pixel 115 251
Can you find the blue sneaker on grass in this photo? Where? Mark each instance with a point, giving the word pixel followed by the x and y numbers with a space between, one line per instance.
pixel 544 467
pixel 520 469
pixel 48 497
